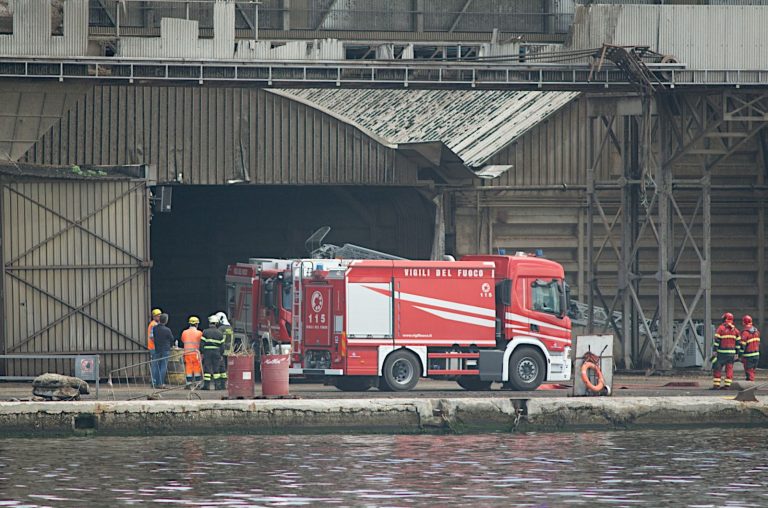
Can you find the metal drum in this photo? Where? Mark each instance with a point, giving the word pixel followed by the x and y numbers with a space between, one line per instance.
pixel 274 375
pixel 240 376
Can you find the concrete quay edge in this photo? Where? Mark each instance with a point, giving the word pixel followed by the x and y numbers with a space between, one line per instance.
pixel 398 415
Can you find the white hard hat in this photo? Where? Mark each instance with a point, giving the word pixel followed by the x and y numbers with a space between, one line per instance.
pixel 222 318
pixel 214 318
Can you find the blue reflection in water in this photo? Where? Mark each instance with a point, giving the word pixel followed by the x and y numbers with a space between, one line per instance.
pixel 719 467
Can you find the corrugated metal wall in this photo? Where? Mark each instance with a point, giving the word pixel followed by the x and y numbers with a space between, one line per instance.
pixel 704 37
pixel 554 152
pixel 32 30
pixel 198 135
pixel 75 258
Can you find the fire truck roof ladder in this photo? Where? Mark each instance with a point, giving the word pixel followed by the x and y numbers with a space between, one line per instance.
pixel 319 250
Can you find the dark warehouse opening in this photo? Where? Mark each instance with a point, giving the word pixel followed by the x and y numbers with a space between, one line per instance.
pixel 210 227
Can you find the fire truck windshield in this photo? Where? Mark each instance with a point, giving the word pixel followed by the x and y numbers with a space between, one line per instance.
pixel 546 296
pixel 287 294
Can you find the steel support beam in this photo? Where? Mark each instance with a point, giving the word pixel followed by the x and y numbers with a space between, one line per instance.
pixel 665 277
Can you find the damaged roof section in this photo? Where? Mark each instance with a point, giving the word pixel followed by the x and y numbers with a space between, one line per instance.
pixel 474 125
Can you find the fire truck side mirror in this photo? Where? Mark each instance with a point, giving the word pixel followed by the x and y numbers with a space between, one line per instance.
pixel 504 292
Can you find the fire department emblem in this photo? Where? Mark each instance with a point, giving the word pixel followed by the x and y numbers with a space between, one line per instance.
pixel 486 288
pixel 316 301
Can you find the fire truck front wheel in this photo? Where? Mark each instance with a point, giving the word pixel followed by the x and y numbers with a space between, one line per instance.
pixel 526 369
pixel 401 371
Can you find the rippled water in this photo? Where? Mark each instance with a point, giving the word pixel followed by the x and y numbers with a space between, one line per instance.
pixel 652 468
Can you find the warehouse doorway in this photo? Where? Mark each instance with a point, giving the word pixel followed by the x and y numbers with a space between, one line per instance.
pixel 210 227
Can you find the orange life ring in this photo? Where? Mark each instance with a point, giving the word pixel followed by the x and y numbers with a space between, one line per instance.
pixel 585 368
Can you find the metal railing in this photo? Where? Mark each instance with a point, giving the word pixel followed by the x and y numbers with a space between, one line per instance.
pixel 135 381
pixel 369 73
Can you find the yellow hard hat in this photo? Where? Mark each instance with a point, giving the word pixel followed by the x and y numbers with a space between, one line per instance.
pixel 156 312
pixel 194 320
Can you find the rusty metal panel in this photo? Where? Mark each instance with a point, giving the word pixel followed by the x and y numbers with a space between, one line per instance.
pixel 284 141
pixel 75 269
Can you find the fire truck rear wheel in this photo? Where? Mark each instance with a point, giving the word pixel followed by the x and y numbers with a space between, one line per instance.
pixel 353 383
pixel 401 371
pixel 526 369
pixel 474 384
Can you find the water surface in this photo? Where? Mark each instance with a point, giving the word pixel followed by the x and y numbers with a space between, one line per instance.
pixel 723 467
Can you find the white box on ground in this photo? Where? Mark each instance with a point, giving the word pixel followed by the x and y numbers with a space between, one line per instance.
pixel 602 347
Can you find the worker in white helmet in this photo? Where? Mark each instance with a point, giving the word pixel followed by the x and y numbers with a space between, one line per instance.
pixel 229 340
pixel 212 345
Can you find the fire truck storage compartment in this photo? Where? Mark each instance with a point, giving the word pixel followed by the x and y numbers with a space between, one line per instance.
pixel 369 309
pixel 446 305
pixel 317 312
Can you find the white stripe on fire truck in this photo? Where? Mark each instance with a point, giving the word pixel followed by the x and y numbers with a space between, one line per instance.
pixel 528 333
pixel 461 318
pixel 443 342
pixel 524 319
pixel 472 309
pixel 539 336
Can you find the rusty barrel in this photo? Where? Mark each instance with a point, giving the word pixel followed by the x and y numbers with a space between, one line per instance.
pixel 274 374
pixel 240 376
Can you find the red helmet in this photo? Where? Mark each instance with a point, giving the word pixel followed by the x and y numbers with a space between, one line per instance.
pixel 728 317
pixel 746 320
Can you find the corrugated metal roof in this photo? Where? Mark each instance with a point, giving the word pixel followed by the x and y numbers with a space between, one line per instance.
pixel 473 124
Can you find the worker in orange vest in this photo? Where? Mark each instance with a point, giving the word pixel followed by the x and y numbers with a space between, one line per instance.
pixel 191 340
pixel 151 345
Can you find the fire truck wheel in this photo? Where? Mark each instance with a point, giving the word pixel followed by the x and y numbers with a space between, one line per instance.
pixel 526 369
pixel 474 384
pixel 353 383
pixel 401 371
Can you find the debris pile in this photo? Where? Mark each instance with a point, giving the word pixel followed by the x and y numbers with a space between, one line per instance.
pixel 57 387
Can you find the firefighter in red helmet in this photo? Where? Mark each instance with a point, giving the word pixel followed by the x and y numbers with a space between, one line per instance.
pixel 725 350
pixel 750 347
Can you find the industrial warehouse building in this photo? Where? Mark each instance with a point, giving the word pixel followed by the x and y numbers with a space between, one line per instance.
pixel 254 171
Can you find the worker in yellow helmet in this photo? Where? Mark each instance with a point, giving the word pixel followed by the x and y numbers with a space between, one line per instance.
pixel 191 340
pixel 151 344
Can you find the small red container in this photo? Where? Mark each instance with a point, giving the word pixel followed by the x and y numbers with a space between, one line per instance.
pixel 274 374
pixel 240 376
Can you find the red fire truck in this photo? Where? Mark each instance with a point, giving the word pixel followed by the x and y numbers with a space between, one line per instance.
pixel 387 323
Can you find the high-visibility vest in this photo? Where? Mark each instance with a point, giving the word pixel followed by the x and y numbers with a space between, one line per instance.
pixel 750 342
pixel 191 339
pixel 727 340
pixel 151 335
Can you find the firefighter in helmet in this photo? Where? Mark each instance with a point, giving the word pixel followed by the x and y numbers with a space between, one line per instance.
pixel 212 344
pixel 725 350
pixel 190 339
pixel 229 341
pixel 750 347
